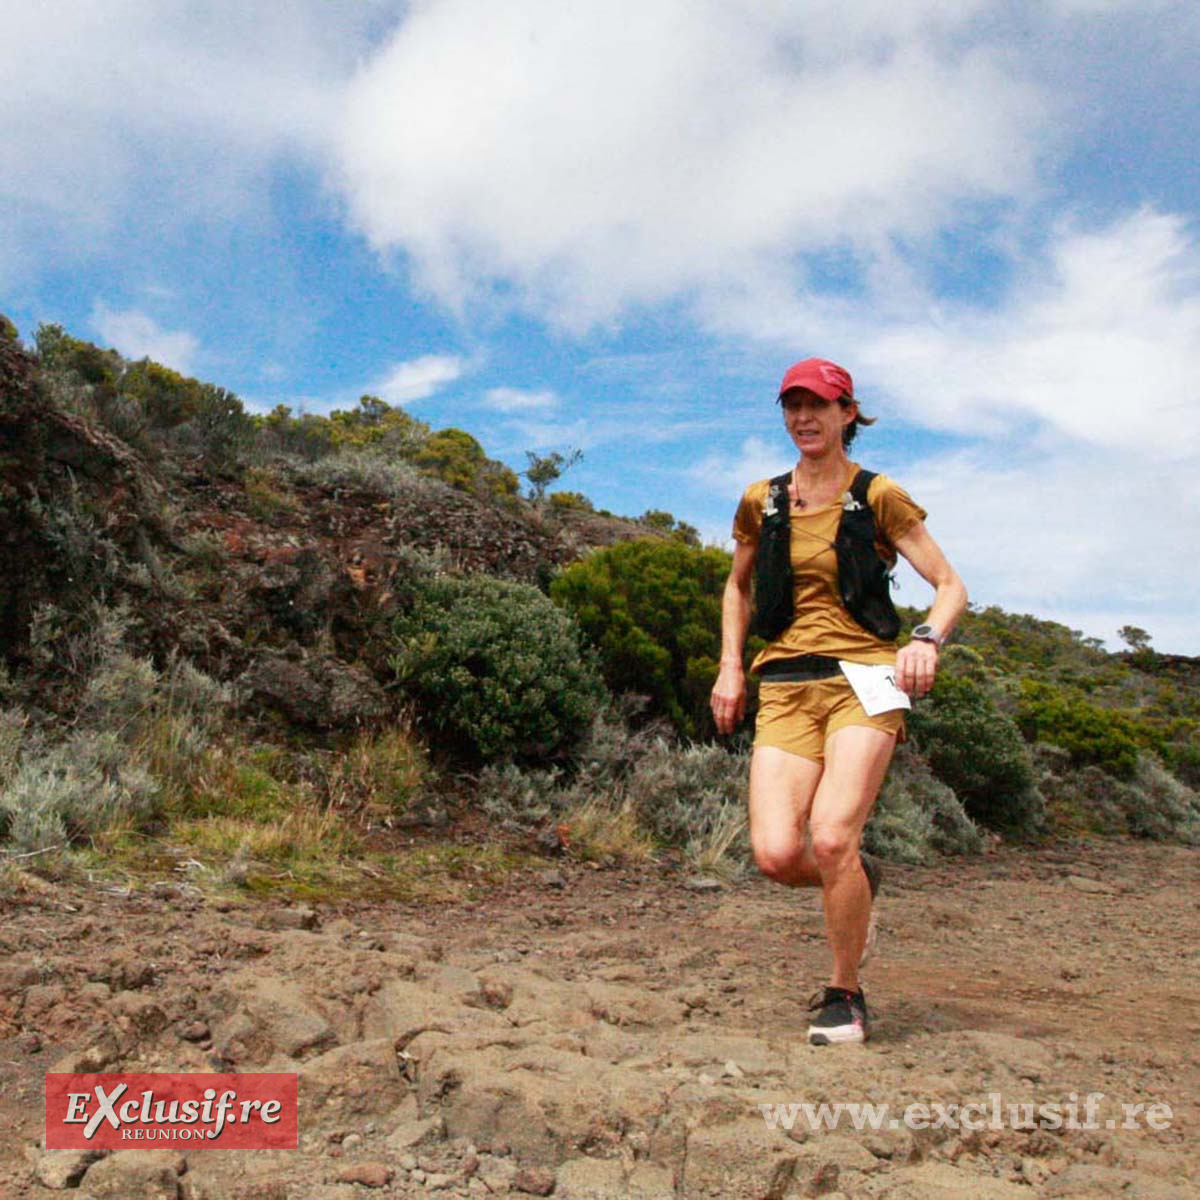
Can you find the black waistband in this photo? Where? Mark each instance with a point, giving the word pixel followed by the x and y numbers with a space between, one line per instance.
pixel 799 669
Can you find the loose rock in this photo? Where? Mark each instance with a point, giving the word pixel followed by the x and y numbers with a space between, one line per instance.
pixel 534 1181
pixel 369 1174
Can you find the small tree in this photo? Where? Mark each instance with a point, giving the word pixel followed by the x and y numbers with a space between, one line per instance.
pixel 544 470
pixel 1136 638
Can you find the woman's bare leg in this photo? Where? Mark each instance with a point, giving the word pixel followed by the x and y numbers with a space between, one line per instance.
pixel 856 761
pixel 782 786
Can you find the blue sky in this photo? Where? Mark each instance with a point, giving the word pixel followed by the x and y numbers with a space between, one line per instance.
pixel 609 227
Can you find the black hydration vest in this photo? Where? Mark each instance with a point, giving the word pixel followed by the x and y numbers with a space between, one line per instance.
pixel 864 579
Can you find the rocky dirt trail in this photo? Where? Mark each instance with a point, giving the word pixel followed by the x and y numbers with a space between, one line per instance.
pixel 611 1033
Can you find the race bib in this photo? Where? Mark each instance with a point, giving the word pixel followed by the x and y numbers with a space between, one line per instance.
pixel 875 686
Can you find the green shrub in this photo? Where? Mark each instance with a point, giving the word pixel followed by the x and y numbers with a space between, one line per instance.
pixel 138 734
pixel 976 749
pixel 264 499
pixel 570 502
pixel 668 524
pixel 13 723
pixel 1181 753
pixel 519 797
pixel 1092 735
pixel 455 457
pixel 378 426
pixel 653 611
pixel 1019 641
pixel 692 796
pixel 1079 800
pixel 165 398
pixel 688 796
pixel 1164 807
pixel 58 351
pixel 1153 803
pixel 221 430
pixel 81 558
pixel 495 668
pixel 85 379
pixel 307 437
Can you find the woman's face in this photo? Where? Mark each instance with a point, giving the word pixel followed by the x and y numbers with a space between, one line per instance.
pixel 814 423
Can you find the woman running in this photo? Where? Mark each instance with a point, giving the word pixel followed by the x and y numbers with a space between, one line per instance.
pixel 815 547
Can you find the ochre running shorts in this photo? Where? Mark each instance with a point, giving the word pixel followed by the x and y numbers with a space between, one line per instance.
pixel 799 717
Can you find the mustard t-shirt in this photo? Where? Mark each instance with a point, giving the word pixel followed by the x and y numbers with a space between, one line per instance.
pixel 822 625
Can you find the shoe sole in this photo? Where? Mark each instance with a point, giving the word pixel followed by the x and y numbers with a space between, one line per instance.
pixel 841 1036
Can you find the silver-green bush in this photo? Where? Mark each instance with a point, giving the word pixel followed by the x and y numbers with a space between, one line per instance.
pixel 80 787
pixel 364 471
pixel 917 816
pixel 1164 807
pixel 694 796
pixel 136 732
pixel 689 796
pixel 1153 803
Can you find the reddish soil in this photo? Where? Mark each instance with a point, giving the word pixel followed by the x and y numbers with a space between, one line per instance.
pixel 1081 960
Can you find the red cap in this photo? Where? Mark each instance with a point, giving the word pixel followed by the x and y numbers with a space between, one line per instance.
pixel 819 375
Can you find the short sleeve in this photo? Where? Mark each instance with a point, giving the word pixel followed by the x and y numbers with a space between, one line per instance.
pixel 895 510
pixel 747 521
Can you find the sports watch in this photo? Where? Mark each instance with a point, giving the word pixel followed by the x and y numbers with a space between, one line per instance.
pixel 927 633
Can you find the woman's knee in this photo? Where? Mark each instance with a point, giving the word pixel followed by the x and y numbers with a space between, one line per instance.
pixel 834 848
pixel 777 858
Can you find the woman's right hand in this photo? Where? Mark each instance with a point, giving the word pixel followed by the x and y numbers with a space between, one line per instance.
pixel 728 698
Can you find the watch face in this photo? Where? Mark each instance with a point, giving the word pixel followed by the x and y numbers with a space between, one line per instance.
pixel 926 633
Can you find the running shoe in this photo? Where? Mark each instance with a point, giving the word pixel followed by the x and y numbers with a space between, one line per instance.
pixel 841 1017
pixel 874 874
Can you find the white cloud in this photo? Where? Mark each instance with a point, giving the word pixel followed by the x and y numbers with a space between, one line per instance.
pixel 138 335
pixel 1099 343
pixel 1111 8
pixel 589 158
pixel 527 432
pixel 517 400
pixel 1095 540
pixel 1079 495
pixel 418 378
pixel 756 459
pixel 169 111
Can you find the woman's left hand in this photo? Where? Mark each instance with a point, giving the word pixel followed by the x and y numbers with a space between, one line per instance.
pixel 916 666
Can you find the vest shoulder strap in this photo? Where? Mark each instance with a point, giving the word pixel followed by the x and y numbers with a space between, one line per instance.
pixel 868 523
pixel 777 489
pixel 861 484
